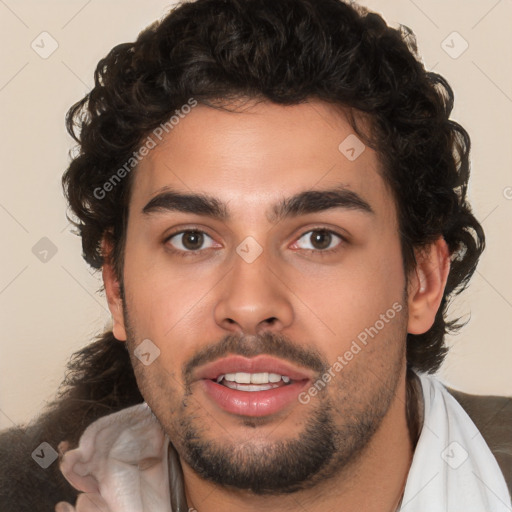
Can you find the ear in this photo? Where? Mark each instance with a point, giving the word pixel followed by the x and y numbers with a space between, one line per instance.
pixel 426 285
pixel 113 290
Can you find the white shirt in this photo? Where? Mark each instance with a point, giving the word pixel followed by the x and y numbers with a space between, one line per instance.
pixel 121 463
pixel 453 469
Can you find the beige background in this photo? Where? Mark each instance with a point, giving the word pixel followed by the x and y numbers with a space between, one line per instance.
pixel 50 309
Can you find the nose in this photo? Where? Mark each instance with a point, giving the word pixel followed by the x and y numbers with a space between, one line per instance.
pixel 252 298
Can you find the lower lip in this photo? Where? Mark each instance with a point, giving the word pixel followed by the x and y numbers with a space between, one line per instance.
pixel 253 403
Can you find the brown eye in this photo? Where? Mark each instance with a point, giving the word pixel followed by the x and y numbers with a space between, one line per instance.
pixel 189 241
pixel 319 240
pixel 192 240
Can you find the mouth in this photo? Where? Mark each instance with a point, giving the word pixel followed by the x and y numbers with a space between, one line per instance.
pixel 253 382
pixel 259 386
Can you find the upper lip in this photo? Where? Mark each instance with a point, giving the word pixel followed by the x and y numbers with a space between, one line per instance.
pixel 259 364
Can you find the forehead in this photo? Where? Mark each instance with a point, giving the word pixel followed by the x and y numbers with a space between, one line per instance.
pixel 259 153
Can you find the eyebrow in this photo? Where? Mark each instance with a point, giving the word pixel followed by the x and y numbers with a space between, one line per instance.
pixel 302 203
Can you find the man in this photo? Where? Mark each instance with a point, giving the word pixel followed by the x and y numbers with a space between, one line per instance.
pixel 277 200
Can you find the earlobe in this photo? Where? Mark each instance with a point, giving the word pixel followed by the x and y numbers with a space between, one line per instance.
pixel 113 291
pixel 426 285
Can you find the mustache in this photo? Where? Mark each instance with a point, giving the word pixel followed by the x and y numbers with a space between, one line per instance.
pixel 267 343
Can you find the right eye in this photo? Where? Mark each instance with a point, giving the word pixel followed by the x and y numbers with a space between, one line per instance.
pixel 188 241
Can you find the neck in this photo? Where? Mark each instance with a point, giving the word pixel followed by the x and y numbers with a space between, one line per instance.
pixel 374 483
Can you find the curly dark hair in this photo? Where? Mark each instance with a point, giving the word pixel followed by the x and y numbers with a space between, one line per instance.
pixel 286 52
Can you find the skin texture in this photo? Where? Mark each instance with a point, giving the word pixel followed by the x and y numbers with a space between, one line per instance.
pixel 289 302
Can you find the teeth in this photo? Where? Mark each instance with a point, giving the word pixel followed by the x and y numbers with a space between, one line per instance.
pixel 250 387
pixel 243 378
pixel 259 378
pixel 253 378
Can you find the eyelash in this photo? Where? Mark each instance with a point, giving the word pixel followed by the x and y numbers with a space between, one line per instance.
pixel 320 252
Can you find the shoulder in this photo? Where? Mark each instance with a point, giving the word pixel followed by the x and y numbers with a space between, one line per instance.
pixel 492 415
pixel 24 484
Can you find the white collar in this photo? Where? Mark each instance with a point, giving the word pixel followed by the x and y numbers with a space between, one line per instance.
pixel 453 469
pixel 121 461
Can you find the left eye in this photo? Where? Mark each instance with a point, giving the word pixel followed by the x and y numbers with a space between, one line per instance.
pixel 319 240
pixel 189 240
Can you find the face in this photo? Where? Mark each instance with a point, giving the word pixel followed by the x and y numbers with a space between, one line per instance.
pixel 275 315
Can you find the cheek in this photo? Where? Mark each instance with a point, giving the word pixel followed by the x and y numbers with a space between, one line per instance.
pixel 344 300
pixel 163 297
